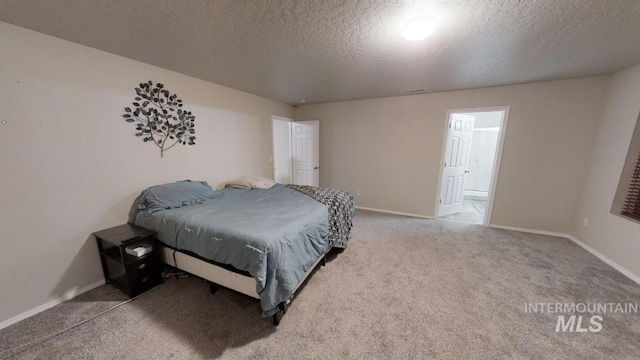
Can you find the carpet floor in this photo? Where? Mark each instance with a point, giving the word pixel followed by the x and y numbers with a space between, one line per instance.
pixel 405 288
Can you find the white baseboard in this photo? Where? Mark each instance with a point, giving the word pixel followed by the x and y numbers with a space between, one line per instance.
pixel 531 231
pixel 395 212
pixel 475 193
pixel 609 262
pixel 593 251
pixel 70 294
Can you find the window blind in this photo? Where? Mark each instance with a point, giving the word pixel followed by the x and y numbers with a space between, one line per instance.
pixel 631 207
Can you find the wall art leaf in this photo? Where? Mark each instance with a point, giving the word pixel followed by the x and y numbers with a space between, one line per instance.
pixel 160 117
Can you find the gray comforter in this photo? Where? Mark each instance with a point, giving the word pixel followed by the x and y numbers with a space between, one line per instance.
pixel 274 234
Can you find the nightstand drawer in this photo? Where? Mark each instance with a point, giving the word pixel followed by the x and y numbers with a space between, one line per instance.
pixel 143 273
pixel 140 269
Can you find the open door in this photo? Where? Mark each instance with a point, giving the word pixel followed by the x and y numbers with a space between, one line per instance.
pixel 456 162
pixel 305 151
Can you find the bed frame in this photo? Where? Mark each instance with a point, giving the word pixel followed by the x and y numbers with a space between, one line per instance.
pixel 219 276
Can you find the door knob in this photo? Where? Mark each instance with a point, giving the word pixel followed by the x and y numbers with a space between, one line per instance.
pixel 466 171
pixel 316 168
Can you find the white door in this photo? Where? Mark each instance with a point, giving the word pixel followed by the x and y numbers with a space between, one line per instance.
pixel 305 152
pixel 456 162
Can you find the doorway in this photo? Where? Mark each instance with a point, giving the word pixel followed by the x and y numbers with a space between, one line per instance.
pixel 281 131
pixel 470 164
pixel 296 151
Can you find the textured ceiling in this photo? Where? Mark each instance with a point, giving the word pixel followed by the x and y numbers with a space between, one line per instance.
pixel 336 50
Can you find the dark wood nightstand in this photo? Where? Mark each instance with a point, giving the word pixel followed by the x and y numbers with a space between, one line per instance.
pixel 129 273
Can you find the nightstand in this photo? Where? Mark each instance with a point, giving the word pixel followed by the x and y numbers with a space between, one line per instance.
pixel 129 273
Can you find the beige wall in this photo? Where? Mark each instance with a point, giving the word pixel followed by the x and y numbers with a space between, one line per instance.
pixel 70 164
pixel 391 148
pixel 614 237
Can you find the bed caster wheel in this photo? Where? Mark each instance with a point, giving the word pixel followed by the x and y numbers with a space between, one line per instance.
pixel 213 287
pixel 282 309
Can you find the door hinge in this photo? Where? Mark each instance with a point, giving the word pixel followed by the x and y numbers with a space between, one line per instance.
pixel 449 125
pixel 440 201
pixel 445 165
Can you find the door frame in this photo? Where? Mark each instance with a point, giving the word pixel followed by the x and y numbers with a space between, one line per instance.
pixel 495 171
pixel 273 147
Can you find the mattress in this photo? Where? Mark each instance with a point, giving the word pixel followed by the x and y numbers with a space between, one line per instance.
pixel 274 234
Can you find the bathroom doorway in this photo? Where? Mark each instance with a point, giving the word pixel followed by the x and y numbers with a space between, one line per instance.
pixel 470 164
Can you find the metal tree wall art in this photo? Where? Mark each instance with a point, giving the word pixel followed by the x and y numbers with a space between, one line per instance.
pixel 159 117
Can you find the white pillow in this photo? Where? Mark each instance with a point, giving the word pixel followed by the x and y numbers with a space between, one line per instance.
pixel 251 182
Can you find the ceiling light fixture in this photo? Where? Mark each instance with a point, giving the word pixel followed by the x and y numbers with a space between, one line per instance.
pixel 419 28
pixel 302 101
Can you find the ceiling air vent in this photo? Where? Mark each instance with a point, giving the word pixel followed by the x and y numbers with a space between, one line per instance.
pixel 415 91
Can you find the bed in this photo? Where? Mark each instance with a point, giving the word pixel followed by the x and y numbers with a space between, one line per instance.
pixel 261 242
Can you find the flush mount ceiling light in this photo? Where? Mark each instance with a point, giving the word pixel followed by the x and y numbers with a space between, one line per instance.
pixel 419 28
